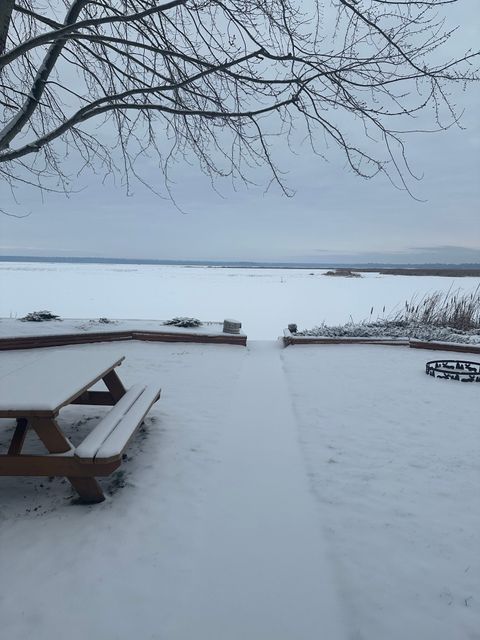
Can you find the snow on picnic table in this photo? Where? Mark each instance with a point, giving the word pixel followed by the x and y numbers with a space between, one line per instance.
pixel 320 491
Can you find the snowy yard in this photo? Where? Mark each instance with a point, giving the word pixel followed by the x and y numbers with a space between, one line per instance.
pixel 321 491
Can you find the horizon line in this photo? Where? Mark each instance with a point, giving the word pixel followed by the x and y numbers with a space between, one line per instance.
pixel 234 263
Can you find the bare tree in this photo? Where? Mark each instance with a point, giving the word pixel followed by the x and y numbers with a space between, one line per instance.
pixel 103 80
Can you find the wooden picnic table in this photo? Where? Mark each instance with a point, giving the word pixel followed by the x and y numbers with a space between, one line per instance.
pixel 34 393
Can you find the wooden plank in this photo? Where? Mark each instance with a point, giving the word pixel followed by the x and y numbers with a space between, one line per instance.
pixel 95 398
pixel 157 336
pixel 88 489
pixel 18 437
pixel 87 450
pixel 114 385
pixel 116 442
pixel 51 435
pixel 58 340
pixel 306 340
pixel 446 346
pixel 53 465
pixel 48 431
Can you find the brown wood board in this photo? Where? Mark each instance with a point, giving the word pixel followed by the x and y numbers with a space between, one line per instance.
pixel 59 340
pixel 460 347
pixel 53 465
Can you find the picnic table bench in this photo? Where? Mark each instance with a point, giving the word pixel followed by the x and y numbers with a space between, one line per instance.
pixel 35 392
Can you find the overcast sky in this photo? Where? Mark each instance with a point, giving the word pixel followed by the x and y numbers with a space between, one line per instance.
pixel 334 216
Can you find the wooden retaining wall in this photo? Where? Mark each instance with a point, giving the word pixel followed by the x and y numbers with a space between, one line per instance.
pixel 60 340
pixel 290 338
pixel 461 347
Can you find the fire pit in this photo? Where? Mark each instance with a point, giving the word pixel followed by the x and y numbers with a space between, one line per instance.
pixel 462 370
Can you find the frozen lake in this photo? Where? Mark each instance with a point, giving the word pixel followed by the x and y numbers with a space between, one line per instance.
pixel 264 300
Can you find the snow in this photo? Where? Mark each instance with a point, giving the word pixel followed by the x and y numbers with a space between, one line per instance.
pixel 289 494
pixel 49 380
pixel 117 440
pixel 400 330
pixel 13 328
pixel 274 493
pixel 95 439
pixel 264 300
pixel 392 456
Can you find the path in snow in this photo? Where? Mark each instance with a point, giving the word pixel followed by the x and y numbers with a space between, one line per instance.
pixel 262 569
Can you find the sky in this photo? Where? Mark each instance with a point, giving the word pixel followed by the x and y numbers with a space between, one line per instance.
pixel 334 216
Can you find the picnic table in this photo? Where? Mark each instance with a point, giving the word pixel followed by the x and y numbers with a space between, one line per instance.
pixel 34 392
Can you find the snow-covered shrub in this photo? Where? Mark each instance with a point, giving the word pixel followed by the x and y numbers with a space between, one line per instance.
pixel 391 329
pixel 39 316
pixel 184 322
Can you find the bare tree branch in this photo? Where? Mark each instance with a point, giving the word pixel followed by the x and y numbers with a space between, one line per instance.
pixel 6 8
pixel 218 80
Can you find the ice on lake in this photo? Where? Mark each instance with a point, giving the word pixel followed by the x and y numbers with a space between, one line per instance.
pixel 264 300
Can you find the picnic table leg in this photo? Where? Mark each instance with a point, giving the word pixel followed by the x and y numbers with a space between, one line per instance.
pixel 88 489
pixel 52 437
pixel 114 385
pixel 18 439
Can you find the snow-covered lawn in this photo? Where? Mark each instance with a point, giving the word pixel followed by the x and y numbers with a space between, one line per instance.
pixel 393 458
pixel 312 492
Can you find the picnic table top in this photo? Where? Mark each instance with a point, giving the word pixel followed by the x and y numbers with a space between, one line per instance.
pixel 49 381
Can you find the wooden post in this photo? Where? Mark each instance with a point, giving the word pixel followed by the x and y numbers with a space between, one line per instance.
pixel 88 489
pixel 114 385
pixel 18 437
pixel 50 434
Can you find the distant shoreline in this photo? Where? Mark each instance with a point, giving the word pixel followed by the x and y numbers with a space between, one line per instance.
pixel 447 271
pixel 437 269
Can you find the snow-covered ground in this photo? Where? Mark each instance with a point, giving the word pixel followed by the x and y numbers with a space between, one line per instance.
pixel 392 456
pixel 264 300
pixel 312 492
pixel 14 328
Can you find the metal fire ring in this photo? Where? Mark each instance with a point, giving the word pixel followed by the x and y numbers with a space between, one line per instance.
pixel 462 370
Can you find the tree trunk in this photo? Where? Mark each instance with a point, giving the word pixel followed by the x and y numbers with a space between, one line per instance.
pixel 6 8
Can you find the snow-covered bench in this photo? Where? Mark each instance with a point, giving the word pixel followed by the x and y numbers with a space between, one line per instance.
pixel 107 442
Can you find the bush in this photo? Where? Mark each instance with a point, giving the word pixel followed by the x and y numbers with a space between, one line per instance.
pixel 39 316
pixel 184 322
